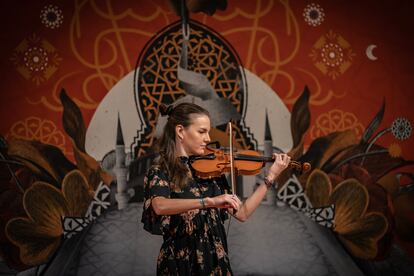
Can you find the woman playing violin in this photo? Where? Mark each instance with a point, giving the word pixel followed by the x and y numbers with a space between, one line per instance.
pixel 189 211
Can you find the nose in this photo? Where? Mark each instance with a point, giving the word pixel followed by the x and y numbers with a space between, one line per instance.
pixel 207 138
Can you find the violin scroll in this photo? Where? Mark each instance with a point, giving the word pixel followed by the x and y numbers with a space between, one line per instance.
pixel 300 167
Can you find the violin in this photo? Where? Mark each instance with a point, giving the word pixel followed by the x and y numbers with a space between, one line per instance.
pixel 217 161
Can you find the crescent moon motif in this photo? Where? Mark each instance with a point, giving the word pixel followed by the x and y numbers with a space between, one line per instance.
pixel 369 53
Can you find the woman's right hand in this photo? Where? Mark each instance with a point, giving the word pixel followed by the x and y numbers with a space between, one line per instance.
pixel 224 201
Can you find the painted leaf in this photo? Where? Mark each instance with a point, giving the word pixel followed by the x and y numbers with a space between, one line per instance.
pixel 45 205
pixel 318 188
pixel 369 131
pixel 383 164
pixel 343 140
pixel 379 202
pixel 377 161
pixel 362 237
pixel 390 183
pixel 77 193
pixel 39 235
pixel 300 120
pixel 404 216
pixel 318 148
pixel 11 206
pixel 353 171
pixel 351 202
pixel 3 143
pixel 36 247
pixel 339 158
pixel 46 161
pixel 91 169
pixel 75 127
pixel 73 121
pixel 380 162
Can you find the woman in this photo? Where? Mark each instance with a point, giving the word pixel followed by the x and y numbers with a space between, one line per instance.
pixel 189 212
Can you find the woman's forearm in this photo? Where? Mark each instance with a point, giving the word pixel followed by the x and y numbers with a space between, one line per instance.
pixel 251 203
pixel 173 206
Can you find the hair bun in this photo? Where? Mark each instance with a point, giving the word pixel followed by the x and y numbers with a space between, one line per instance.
pixel 166 110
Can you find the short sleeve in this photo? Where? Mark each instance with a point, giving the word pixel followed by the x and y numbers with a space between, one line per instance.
pixel 155 184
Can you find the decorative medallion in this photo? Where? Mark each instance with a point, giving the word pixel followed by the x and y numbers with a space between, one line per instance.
pixel 51 16
pixel 156 80
pixel 336 120
pixel 34 128
pixel 35 59
pixel 332 54
pixel 314 15
pixel 401 128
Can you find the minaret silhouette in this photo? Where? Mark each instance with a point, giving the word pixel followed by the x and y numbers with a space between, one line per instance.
pixel 121 171
pixel 268 151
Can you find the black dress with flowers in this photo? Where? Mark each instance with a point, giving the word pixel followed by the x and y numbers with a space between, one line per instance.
pixel 194 241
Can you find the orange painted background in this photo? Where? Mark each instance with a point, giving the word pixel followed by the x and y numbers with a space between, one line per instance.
pixel 96 43
pixel 352 55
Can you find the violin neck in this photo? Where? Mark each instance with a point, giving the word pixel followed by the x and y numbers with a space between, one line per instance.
pixel 292 163
pixel 246 157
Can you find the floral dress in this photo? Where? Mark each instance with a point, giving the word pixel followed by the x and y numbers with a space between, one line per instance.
pixel 194 241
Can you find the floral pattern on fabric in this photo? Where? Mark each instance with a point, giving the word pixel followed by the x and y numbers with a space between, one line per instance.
pixel 194 241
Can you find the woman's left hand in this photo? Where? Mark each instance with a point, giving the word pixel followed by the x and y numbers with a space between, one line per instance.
pixel 281 162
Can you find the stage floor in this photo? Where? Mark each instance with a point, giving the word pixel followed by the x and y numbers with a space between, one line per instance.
pixel 274 241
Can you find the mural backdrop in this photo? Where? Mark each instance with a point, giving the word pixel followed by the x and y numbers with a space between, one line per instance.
pixel 327 81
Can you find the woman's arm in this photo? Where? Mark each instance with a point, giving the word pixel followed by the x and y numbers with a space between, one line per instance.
pixel 251 203
pixel 172 206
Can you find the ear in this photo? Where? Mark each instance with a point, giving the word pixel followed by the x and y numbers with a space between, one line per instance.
pixel 179 131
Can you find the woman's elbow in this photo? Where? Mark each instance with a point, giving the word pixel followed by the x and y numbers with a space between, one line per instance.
pixel 242 217
pixel 157 207
pixel 157 210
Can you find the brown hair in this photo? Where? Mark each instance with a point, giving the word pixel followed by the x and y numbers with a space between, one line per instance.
pixel 177 115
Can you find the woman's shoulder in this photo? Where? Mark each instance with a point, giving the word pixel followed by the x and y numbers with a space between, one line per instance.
pixel 156 170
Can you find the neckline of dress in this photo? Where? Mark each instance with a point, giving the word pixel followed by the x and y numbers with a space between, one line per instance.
pixel 184 159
